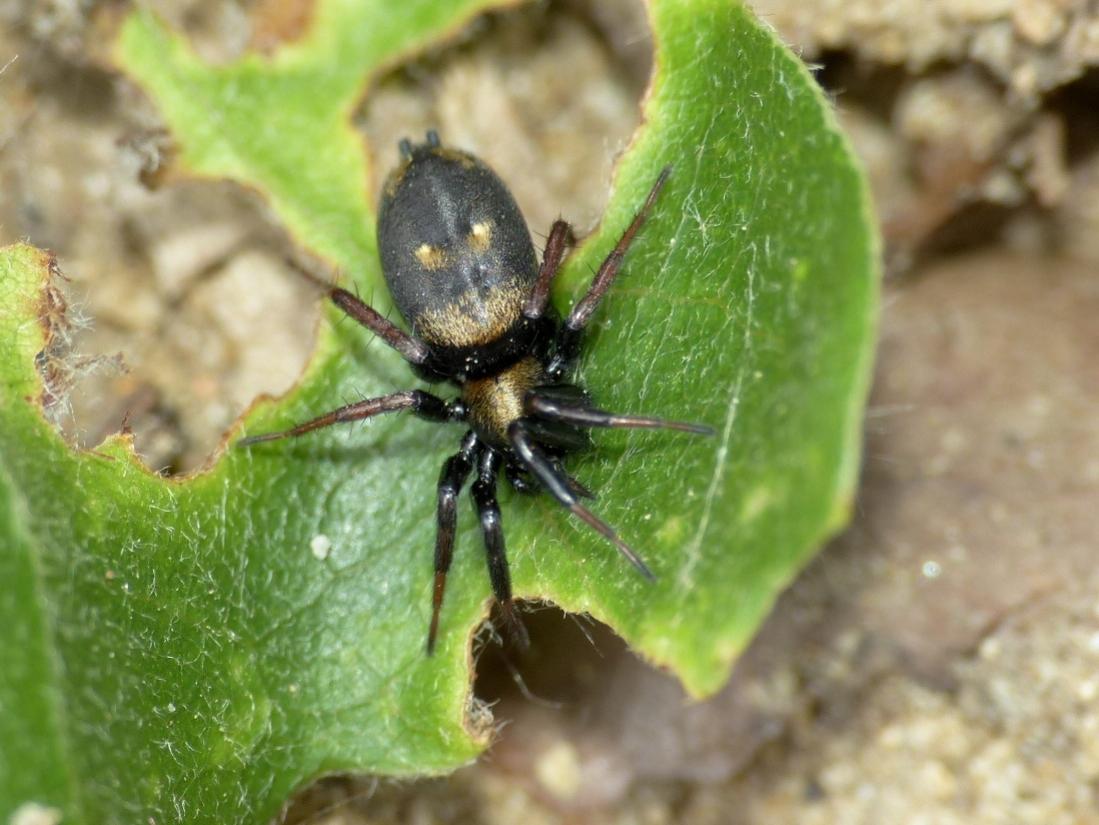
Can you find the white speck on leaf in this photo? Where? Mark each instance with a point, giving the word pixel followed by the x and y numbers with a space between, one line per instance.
pixel 31 813
pixel 321 546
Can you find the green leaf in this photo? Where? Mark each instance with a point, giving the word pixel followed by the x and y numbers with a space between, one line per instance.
pixel 179 651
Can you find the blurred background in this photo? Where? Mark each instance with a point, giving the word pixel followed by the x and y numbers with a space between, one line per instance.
pixel 937 663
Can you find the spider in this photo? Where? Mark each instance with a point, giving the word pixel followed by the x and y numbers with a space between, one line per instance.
pixel 459 262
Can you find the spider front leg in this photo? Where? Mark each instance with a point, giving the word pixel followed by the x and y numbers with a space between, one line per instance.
pixel 410 347
pixel 559 237
pixel 413 349
pixel 488 512
pixel 424 404
pixel 571 332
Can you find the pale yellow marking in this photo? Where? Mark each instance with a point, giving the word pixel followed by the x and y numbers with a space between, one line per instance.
pixel 480 236
pixel 430 257
pixel 458 325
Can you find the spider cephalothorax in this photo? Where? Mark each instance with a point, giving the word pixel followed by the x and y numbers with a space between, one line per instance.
pixel 460 265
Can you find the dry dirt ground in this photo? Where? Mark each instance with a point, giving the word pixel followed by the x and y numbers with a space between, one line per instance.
pixel 939 662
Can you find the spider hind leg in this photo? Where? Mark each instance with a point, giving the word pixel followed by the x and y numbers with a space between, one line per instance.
pixel 557 485
pixel 488 513
pixel 455 471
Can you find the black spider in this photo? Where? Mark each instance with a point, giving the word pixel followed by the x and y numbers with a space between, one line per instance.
pixel 460 265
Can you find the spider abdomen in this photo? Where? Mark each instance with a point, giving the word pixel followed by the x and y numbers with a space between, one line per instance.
pixel 458 259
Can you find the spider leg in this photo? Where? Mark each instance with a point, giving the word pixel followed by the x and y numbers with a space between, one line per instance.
pixel 568 337
pixel 559 237
pixel 424 404
pixel 488 511
pixel 455 471
pixel 574 485
pixel 557 485
pixel 544 403
pixel 519 478
pixel 413 349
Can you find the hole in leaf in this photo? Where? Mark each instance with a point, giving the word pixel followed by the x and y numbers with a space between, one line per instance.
pixel 548 95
